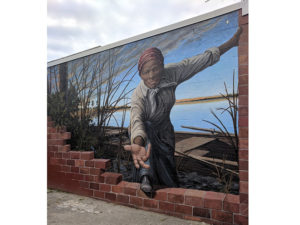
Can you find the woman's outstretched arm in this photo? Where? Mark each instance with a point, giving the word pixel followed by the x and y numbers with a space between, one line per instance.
pixel 234 41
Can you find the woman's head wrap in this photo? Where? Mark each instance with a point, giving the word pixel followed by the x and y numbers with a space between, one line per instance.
pixel 149 54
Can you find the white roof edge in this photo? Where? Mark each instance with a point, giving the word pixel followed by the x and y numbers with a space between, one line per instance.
pixel 174 26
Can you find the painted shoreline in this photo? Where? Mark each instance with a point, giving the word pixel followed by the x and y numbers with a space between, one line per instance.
pixel 198 99
pixel 190 100
pixel 185 101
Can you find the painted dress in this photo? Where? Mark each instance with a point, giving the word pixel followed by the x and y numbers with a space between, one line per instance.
pixel 150 116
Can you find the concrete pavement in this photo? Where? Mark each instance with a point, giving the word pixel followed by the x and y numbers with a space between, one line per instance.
pixel 69 209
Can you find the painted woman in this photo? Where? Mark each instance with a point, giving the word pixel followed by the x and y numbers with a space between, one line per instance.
pixel 151 131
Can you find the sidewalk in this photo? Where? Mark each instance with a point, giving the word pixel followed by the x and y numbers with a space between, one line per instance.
pixel 69 209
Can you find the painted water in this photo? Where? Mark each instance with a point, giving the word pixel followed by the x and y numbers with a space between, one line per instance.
pixel 191 114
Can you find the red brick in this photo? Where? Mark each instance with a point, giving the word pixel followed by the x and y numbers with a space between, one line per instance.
pixel 243 80
pixel 136 201
pixel 213 200
pixel 232 198
pixel 240 220
pixel 243 99
pixel 79 163
pixel 140 193
pixel 53 136
pixel 123 198
pixel 66 168
pixel 111 178
pixel 50 124
pixel 243 110
pixel 243 20
pixel 166 206
pixel 84 184
pixel 89 163
pixel 53 169
pixel 243 154
pixel 75 155
pixel 118 188
pixel 161 194
pixel 222 216
pixel 176 195
pixel 243 50
pixel 243 70
pixel 243 59
pixel 110 196
pixel 243 175
pixel 54 161
pixel 194 198
pixel 244 38
pixel 94 186
pixel 243 186
pixel 101 179
pixel 244 198
pixel 243 121
pixel 243 132
pixel 64 148
pixel 243 143
pixel 188 210
pixel 201 212
pixel 243 164
pixel 131 188
pixel 231 203
pixel 95 171
pixel 244 209
pixel 243 89
pixel 84 170
pixel 90 178
pixel 76 176
pixel 66 155
pixel 56 142
pixel 65 135
pixel 99 194
pixel 102 163
pixel 51 154
pixel 52 148
pixel 73 168
pixel 51 130
pixel 105 187
pixel 88 155
pixel 150 203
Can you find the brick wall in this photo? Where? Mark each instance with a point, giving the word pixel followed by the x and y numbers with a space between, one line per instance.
pixel 78 172
pixel 242 217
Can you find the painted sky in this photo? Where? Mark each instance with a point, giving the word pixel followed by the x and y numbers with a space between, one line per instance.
pixel 176 45
pixel 186 42
pixel 77 25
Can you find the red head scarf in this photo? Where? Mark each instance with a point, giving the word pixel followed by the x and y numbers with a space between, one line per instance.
pixel 149 54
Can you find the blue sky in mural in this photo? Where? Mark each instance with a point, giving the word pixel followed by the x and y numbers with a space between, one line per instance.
pixel 189 41
pixel 177 45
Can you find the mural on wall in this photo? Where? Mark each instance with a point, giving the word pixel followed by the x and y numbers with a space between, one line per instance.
pixel 100 96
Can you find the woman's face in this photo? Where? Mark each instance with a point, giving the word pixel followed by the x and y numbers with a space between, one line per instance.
pixel 151 73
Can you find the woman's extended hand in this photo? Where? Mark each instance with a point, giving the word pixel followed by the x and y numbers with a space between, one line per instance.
pixel 236 36
pixel 139 154
pixel 232 42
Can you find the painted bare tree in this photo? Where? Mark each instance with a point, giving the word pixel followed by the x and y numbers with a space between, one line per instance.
pixel 102 85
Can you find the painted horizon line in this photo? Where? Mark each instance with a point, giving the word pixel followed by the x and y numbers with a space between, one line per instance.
pixel 189 100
